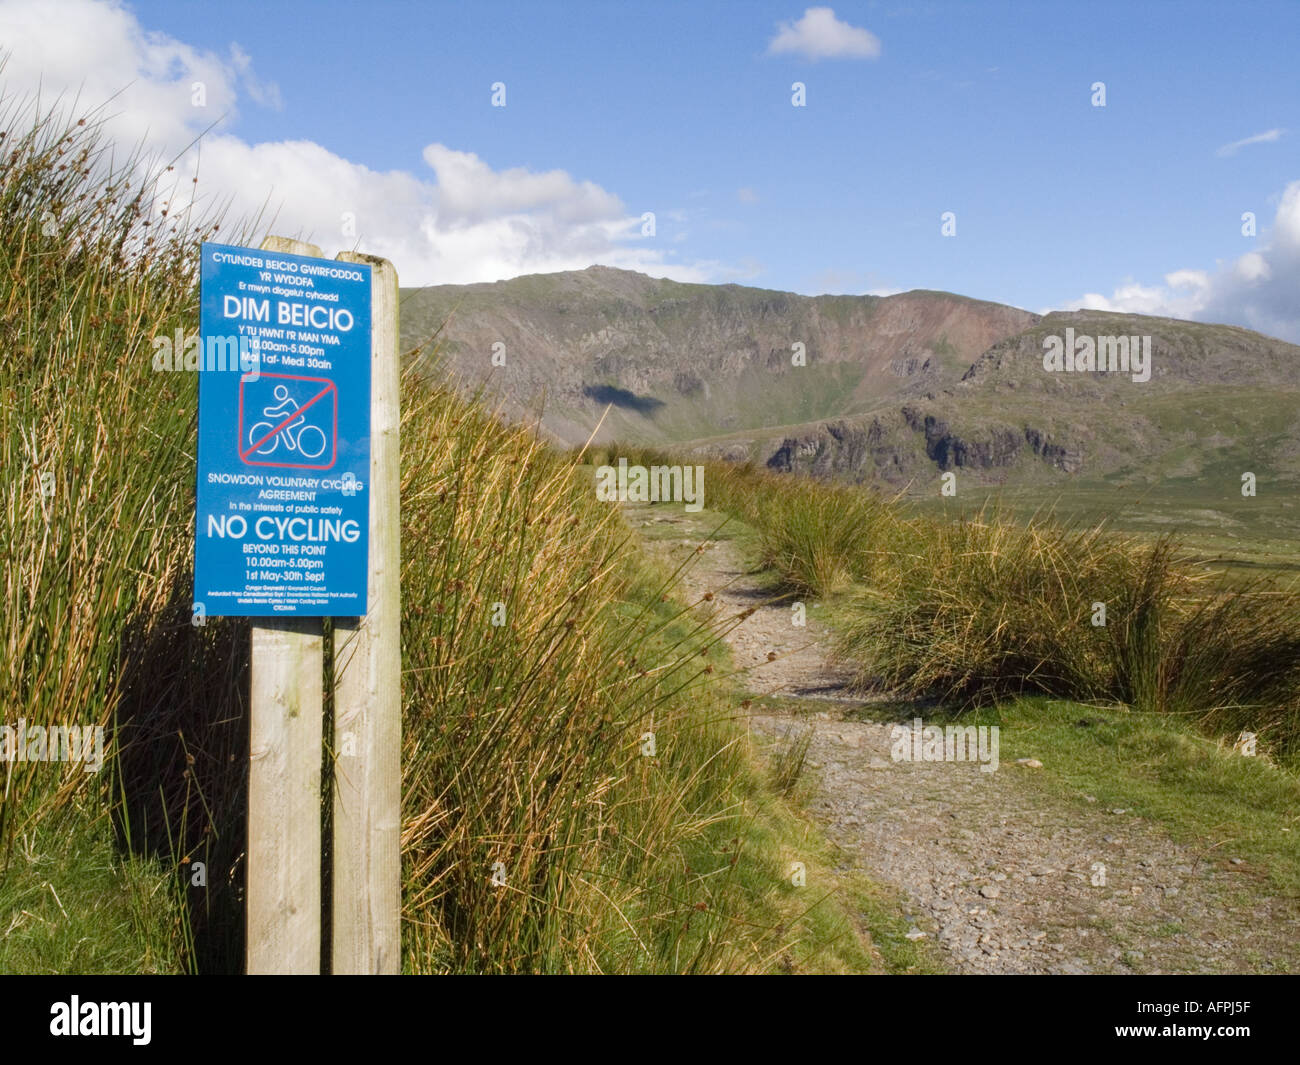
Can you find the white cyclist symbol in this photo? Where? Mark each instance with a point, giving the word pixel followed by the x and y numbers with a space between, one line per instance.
pixel 309 441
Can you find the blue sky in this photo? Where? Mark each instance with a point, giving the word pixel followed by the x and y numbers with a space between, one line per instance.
pixel 684 109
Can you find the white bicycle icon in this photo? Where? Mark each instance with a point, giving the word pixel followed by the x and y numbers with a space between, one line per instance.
pixel 309 441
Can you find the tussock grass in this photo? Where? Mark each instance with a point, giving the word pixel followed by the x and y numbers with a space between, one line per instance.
pixel 789 762
pixel 985 609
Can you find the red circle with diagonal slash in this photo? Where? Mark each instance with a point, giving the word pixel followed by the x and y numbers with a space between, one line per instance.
pixel 329 388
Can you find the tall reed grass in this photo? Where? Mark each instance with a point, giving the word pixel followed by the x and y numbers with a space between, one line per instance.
pixel 98 501
pixel 526 741
pixel 987 608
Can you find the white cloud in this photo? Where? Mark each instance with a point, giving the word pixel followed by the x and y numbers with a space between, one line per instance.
pixel 461 221
pixel 99 54
pixel 820 35
pixel 1259 289
pixel 1135 298
pixel 1195 280
pixel 1252 267
pixel 747 195
pixel 1267 137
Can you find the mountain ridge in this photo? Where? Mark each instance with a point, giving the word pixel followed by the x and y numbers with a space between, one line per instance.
pixel 890 386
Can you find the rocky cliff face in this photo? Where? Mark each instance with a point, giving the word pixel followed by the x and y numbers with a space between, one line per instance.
pixel 878 450
pixel 838 449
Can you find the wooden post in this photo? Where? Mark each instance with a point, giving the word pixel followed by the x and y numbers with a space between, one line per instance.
pixel 284 797
pixel 366 881
pixel 284 766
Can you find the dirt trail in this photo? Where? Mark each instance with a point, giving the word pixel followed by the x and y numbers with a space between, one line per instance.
pixel 1000 874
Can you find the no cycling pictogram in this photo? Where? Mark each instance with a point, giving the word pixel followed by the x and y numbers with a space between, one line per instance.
pixel 282 429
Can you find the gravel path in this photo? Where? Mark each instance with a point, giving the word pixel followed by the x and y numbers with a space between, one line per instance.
pixel 1006 878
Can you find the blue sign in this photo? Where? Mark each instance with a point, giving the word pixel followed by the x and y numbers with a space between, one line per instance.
pixel 283 509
